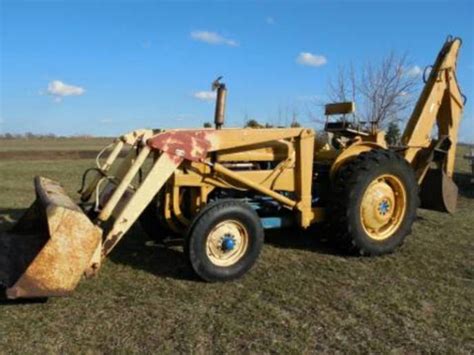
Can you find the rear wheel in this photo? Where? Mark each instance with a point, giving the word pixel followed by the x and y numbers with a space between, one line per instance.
pixel 374 203
pixel 224 241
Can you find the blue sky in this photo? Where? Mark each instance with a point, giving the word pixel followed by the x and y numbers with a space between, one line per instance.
pixel 105 67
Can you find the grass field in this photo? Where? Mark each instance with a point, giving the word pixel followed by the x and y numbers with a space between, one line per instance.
pixel 302 296
pixel 56 144
pixel 51 149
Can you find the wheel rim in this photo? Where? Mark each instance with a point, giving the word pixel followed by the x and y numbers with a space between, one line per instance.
pixel 227 243
pixel 383 207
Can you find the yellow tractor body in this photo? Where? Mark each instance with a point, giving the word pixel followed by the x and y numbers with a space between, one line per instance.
pixel 219 188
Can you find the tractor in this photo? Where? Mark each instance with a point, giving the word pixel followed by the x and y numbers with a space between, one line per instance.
pixel 219 189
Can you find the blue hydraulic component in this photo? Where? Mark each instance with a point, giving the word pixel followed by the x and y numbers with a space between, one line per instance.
pixel 228 243
pixel 271 213
pixel 276 222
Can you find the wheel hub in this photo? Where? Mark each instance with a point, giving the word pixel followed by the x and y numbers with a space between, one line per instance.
pixel 383 206
pixel 227 243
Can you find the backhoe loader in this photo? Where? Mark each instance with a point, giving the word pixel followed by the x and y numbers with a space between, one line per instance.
pixel 220 188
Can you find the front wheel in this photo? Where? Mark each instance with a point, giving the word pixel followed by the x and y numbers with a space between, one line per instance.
pixel 374 203
pixel 224 241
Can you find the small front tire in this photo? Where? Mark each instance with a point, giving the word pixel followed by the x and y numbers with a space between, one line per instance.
pixel 224 241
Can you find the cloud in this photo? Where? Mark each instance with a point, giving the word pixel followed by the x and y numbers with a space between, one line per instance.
pixel 205 95
pixel 414 71
pixel 59 89
pixel 270 20
pixel 213 38
pixel 312 60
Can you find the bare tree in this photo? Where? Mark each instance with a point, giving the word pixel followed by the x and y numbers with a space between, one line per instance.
pixel 383 91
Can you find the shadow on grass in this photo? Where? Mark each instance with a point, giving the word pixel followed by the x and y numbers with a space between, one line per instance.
pixel 466 188
pixel 22 301
pixel 9 216
pixel 137 251
pixel 169 261
pixel 316 239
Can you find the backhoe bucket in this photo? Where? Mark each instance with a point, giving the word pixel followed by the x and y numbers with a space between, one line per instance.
pixel 438 192
pixel 48 250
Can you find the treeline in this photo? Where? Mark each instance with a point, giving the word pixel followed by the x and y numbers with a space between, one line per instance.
pixel 255 124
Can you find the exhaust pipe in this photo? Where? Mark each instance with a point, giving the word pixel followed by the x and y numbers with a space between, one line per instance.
pixel 219 114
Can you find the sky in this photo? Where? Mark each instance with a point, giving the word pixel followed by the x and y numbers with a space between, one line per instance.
pixel 107 67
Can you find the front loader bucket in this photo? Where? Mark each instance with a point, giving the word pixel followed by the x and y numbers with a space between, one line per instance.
pixel 48 250
pixel 438 192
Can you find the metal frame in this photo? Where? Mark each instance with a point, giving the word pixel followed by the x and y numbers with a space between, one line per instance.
pixel 198 158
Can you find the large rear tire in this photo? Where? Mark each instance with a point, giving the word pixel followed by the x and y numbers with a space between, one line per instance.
pixel 374 203
pixel 224 241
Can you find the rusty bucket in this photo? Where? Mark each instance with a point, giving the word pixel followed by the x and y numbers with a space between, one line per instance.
pixel 438 192
pixel 48 250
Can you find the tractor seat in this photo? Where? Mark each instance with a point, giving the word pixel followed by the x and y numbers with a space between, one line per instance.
pixel 345 128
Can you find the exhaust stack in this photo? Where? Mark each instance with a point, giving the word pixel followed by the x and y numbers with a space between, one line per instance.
pixel 219 114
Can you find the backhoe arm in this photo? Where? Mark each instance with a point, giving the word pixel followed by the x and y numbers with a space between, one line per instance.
pixel 439 108
pixel 441 102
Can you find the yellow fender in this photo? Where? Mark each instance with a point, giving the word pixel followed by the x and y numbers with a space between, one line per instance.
pixel 351 152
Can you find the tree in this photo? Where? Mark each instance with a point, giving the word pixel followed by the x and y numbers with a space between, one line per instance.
pixel 382 91
pixel 393 134
pixel 253 124
pixel 207 125
pixel 7 135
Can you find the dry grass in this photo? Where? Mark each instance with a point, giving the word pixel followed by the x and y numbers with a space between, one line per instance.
pixel 301 297
pixel 55 144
